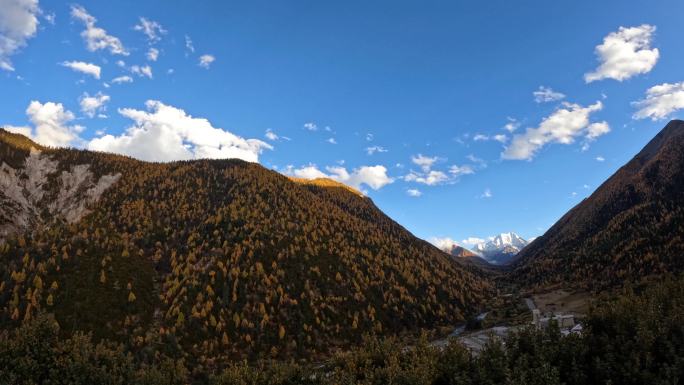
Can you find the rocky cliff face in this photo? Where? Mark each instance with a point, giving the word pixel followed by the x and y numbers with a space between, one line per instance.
pixel 36 192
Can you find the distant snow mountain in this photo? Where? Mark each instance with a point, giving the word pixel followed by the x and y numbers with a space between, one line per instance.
pixel 501 249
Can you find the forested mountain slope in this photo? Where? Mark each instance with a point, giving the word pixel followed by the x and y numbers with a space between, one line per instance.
pixel 211 259
pixel 632 226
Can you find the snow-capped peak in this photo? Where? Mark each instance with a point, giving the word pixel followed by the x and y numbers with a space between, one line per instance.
pixel 505 243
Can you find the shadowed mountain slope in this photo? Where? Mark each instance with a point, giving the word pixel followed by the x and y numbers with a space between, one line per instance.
pixel 631 227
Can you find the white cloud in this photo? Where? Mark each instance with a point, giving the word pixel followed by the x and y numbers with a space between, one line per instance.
pixel 374 177
pixel 307 172
pixel 83 67
pixel 373 149
pixel 481 163
pixel 512 124
pixel 412 192
pixel 369 137
pixel 206 60
pixel 270 135
pixel 189 47
pixel 152 54
pixel 18 23
pixel 93 104
pixel 562 126
pixel 425 162
pixel 430 177
pixel 166 133
pixel 96 38
pixel 331 141
pixel 22 130
pixel 461 170
pixel 311 126
pixel 600 159
pixel 50 17
pixel 142 70
pixel 444 244
pixel 625 53
pixel 483 138
pixel 661 101
pixel 122 79
pixel 151 29
pixel 51 125
pixel 487 194
pixel 472 241
pixel 546 94
pixel 597 129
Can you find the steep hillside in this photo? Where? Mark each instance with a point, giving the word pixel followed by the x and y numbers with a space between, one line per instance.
pixel 213 259
pixel 632 226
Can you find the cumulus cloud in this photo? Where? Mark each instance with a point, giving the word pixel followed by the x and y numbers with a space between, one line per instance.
pixel 206 60
pixel 661 101
pixel 311 126
pixel 96 38
pixel 487 193
pixel 152 30
pixel 306 172
pixel 546 94
pixel 166 133
pixel 563 126
pixel 444 244
pixel 50 125
pixel 374 177
pixel 412 192
pixel 600 159
pixel 122 79
pixel 83 67
pixel 90 105
pixel 331 141
pixel 18 23
pixel 152 54
pixel 625 53
pixel 595 130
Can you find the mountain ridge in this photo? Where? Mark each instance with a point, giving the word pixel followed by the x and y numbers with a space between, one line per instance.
pixel 222 260
pixel 626 229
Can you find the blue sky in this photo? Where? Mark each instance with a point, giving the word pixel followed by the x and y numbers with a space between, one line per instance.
pixel 408 101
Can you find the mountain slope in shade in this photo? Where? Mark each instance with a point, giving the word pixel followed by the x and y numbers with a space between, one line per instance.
pixel 632 226
pixel 213 259
pixel 502 249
